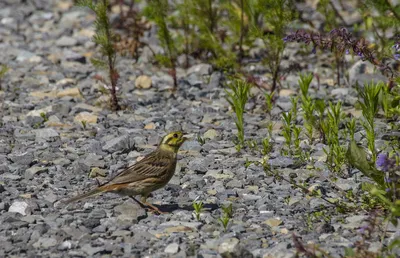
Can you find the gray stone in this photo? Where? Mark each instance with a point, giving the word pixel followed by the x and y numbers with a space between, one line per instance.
pixel 200 69
pixel 199 165
pixel 229 248
pixel 46 134
pixel 32 171
pixel 45 242
pixel 172 248
pixel 19 207
pixel 90 250
pixel 364 72
pixel 234 183
pixel 119 144
pixel 130 212
pixel 211 134
pixel 281 162
pixel 94 218
pixel 214 80
pixel 340 92
pixel 66 41
pixel 21 158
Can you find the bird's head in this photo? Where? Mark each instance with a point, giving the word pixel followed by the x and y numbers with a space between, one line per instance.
pixel 173 141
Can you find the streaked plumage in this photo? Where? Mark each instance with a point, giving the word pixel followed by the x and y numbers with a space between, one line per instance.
pixel 149 174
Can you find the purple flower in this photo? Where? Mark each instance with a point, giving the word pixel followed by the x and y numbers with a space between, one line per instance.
pixel 314 50
pixel 396 56
pixel 347 51
pixel 285 39
pixel 384 162
pixel 396 47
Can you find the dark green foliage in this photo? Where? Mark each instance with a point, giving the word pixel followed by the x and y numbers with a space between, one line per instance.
pixel 383 18
pixel 357 157
pixel 3 71
pixel 237 97
pixel 105 38
pixel 276 16
pixel 158 11
pixel 369 102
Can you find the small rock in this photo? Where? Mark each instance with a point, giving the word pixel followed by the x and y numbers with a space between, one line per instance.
pixel 90 250
pixel 71 92
pixel 234 183
pixel 172 248
pixel 19 207
pixel 95 172
pixel 150 126
pixel 118 144
pixel 200 69
pixel 340 92
pixel 130 212
pixel 83 107
pixel 46 134
pixel 143 82
pixel 32 171
pixel 85 117
pixel 24 158
pixel 199 165
pixel 66 41
pixel 65 246
pixel 45 242
pixel 273 222
pixel 211 134
pixel 229 247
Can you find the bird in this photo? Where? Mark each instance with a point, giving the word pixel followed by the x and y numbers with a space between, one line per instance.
pixel 151 173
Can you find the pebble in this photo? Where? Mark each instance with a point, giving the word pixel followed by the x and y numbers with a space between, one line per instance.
pixel 19 207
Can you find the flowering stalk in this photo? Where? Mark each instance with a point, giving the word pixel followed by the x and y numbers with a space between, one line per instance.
pixel 342 42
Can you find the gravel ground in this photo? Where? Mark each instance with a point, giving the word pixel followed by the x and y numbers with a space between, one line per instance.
pixel 47 154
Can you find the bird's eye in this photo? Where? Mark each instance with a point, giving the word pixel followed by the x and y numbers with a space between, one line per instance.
pixel 175 135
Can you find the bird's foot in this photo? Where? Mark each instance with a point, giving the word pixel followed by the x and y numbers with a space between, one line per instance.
pixel 153 209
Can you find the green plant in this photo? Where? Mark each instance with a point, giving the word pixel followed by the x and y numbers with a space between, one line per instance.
pixel 200 140
pixel 276 16
pixel 369 102
pixel 198 208
pixel 287 131
pixel 307 105
pixel 351 127
pixel 382 17
pixel 267 145
pixel 237 97
pixel 269 101
pixel 157 11
pixel 336 153
pixel 228 210
pixel 4 69
pixel 44 116
pixel 252 144
pixel 105 38
pixel 227 213
pixel 225 222
pixel 84 124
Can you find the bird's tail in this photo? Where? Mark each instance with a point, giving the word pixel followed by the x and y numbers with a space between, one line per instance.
pixel 95 191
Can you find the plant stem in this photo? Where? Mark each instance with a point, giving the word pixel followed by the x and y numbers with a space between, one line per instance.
pixel 241 31
pixel 113 74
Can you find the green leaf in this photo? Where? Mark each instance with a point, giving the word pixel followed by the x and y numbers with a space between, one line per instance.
pixel 98 63
pixel 357 157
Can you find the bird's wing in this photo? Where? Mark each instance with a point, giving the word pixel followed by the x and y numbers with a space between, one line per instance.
pixel 153 165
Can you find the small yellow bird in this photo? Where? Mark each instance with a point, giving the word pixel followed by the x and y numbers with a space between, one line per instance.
pixel 149 174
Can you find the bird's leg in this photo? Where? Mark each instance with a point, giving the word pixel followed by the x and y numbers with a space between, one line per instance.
pixel 138 202
pixel 155 209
